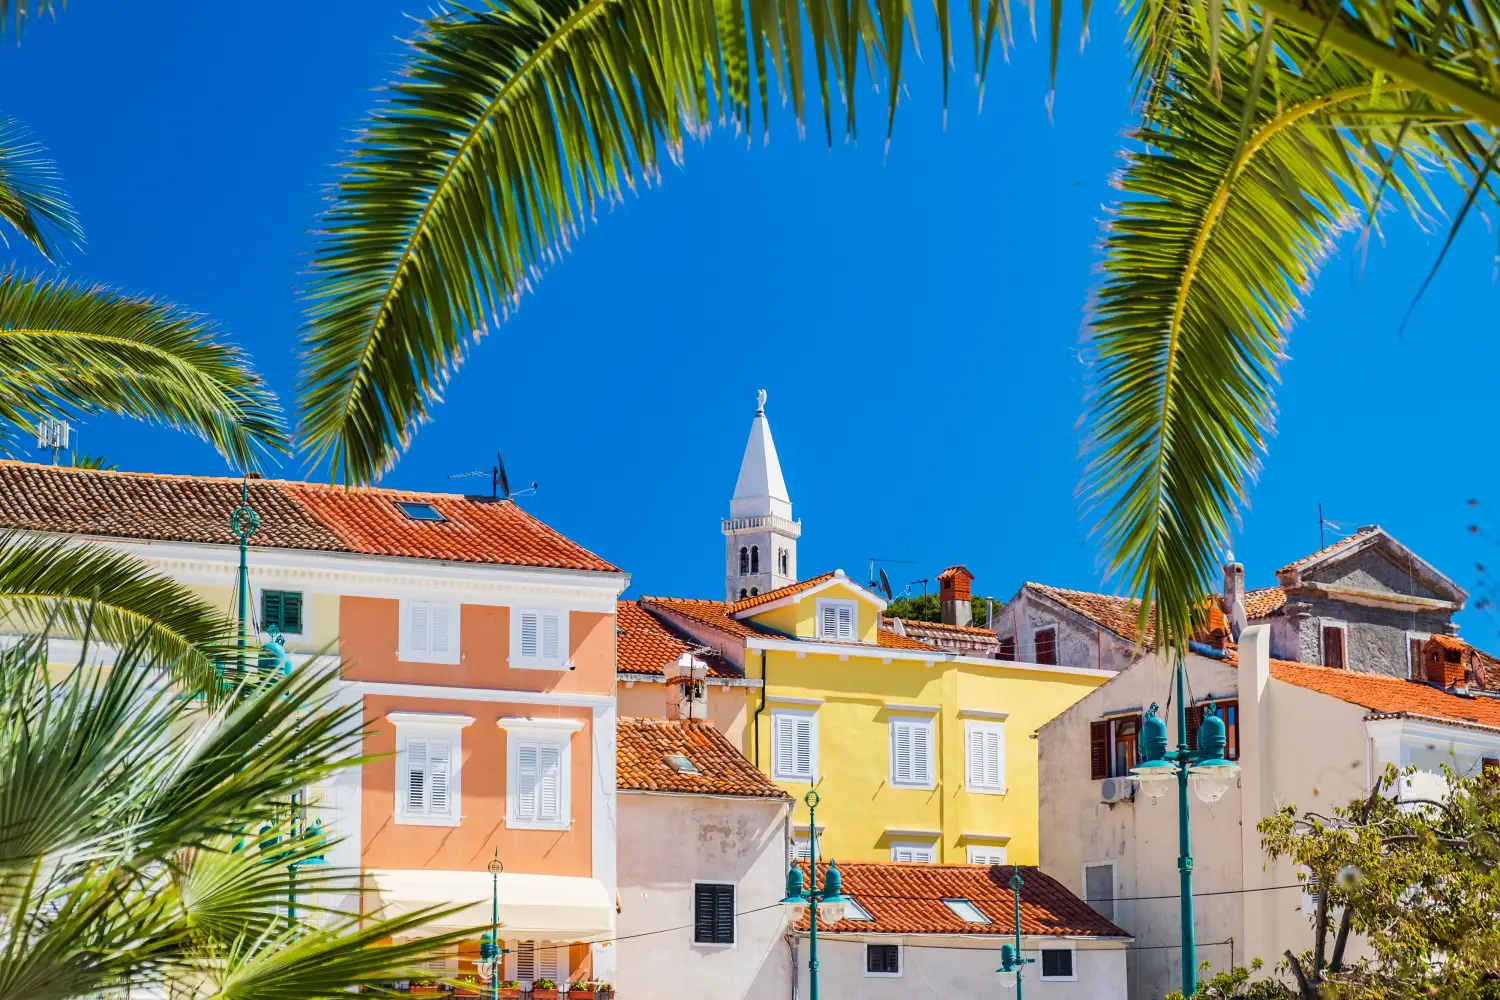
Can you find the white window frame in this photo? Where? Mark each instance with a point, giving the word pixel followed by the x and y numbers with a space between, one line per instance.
pixel 801 848
pixel 539 662
pixel 1411 665
pixel 257 589
pixel 1058 946
pixel 429 725
pixel 900 961
pixel 559 954
pixel 836 602
pixel 971 727
pixel 777 774
pixel 557 733
pixel 406 654
pixel 927 723
pixel 915 846
pixel 978 852
pixel 734 933
pixel 1342 626
pixel 1114 885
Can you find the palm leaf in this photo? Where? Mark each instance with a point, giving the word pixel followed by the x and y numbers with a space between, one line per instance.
pixel 1220 232
pixel 511 125
pixel 65 346
pixel 31 196
pixel 67 588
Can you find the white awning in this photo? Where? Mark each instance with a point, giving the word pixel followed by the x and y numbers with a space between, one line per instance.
pixel 532 907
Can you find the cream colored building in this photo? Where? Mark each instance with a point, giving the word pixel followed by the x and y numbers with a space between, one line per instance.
pixel 1309 736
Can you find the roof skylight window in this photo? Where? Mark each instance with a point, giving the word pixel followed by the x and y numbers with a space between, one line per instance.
pixel 966 911
pixel 418 511
pixel 853 911
pixel 682 765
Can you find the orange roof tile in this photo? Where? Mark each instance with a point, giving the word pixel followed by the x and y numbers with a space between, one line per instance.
pixel 642 747
pixel 712 613
pixel 1452 642
pixel 1384 695
pixel 1361 533
pixel 971 630
pixel 890 640
pixel 1264 601
pixel 908 899
pixel 645 645
pixel 777 594
pixel 293 515
pixel 1118 614
pixel 954 571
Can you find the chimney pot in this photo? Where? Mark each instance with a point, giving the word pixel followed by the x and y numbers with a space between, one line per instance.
pixel 1234 597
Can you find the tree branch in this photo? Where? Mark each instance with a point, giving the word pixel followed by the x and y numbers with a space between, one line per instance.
pixel 1336 962
pixel 1303 988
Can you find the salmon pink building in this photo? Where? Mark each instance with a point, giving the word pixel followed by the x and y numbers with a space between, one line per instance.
pixel 480 644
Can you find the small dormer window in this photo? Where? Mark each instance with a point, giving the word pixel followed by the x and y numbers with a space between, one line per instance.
pixel 418 511
pixel 837 619
pixel 681 764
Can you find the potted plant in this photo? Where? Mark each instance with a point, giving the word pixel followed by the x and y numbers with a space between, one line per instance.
pixel 604 991
pixel 468 986
pixel 581 990
pixel 510 990
pixel 544 989
pixel 424 986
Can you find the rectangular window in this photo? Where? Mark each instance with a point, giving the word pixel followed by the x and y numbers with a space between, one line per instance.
pixel 429 631
pixel 1414 643
pixel 1057 963
pixel 537 791
pixel 911 753
pixel 920 853
pixel 1333 646
pixel 713 913
pixel 1113 746
pixel 539 639
pixel 281 609
pixel 1099 888
pixel 982 854
pixel 837 619
pixel 802 848
pixel 1044 641
pixel 1008 648
pixel 984 756
pixel 1229 712
pixel 428 757
pixel 794 746
pixel 883 961
pixel 530 962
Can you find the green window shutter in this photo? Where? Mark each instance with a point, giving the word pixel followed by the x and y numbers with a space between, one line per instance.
pixel 270 608
pixel 283 609
pixel 291 613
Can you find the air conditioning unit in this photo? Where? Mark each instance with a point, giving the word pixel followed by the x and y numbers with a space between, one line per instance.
pixel 1112 790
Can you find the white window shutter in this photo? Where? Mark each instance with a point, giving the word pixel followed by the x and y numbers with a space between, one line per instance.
pixel 902 752
pixel 550 631
pixel 440 628
pixel 782 758
pixel 804 740
pixel 845 621
pixel 439 764
pixel 416 777
pixel 530 635
pixel 549 784
pixel 550 964
pixel 994 756
pixel 418 627
pixel 527 779
pixel 525 955
pixel 975 758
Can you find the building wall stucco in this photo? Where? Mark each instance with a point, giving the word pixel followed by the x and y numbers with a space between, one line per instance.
pixel 653 700
pixel 667 842
pixel 1080 642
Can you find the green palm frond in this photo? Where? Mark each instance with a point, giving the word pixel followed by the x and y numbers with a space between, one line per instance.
pixel 67 587
pixel 1225 219
pixel 31 195
pixel 510 126
pixel 94 350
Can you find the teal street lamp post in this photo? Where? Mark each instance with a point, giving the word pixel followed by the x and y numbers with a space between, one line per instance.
pixel 243 522
pixel 1211 775
pixel 1011 962
pixel 829 902
pixel 491 955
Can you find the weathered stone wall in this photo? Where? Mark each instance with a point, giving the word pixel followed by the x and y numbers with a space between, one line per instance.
pixel 1080 643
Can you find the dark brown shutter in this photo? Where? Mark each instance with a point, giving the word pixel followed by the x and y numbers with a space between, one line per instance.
pixel 1333 647
pixel 1194 723
pixel 1099 749
pixel 1008 648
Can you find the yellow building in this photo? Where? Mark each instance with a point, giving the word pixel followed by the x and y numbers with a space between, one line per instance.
pixel 918 753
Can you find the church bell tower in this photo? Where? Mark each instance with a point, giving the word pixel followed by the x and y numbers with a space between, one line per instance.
pixel 760 537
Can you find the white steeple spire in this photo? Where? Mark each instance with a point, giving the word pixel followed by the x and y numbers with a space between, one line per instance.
pixel 760 537
pixel 760 489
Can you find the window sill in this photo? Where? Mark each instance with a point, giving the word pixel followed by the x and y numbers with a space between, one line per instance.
pixel 715 946
pixel 407 656
pixel 1058 979
pixel 979 790
pixel 560 827
pixel 518 663
pixel 405 820
pixel 914 786
pixel 796 779
pixel 882 975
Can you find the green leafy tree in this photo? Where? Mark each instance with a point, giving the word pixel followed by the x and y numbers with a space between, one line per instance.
pixel 1268 130
pixel 1239 983
pixel 144 838
pixel 1414 879
pixel 927 608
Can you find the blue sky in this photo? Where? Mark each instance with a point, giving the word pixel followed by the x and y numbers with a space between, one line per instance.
pixel 915 317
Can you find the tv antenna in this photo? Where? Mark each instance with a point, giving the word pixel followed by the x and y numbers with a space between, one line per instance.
pixel 883 582
pixel 52 435
pixel 499 482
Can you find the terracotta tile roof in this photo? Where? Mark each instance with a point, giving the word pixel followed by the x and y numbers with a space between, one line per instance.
pixel 712 613
pixel 1452 642
pixel 1327 549
pixel 978 633
pixel 1118 614
pixel 293 515
pixel 777 594
pixel 642 747
pixel 1384 695
pixel 954 571
pixel 890 640
pixel 645 645
pixel 1264 601
pixel 908 899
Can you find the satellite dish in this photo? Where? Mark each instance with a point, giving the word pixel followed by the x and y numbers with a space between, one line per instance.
pixel 885 584
pixel 502 483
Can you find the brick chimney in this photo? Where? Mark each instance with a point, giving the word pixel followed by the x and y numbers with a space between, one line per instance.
pixel 1445 661
pixel 953 595
pixel 1233 600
